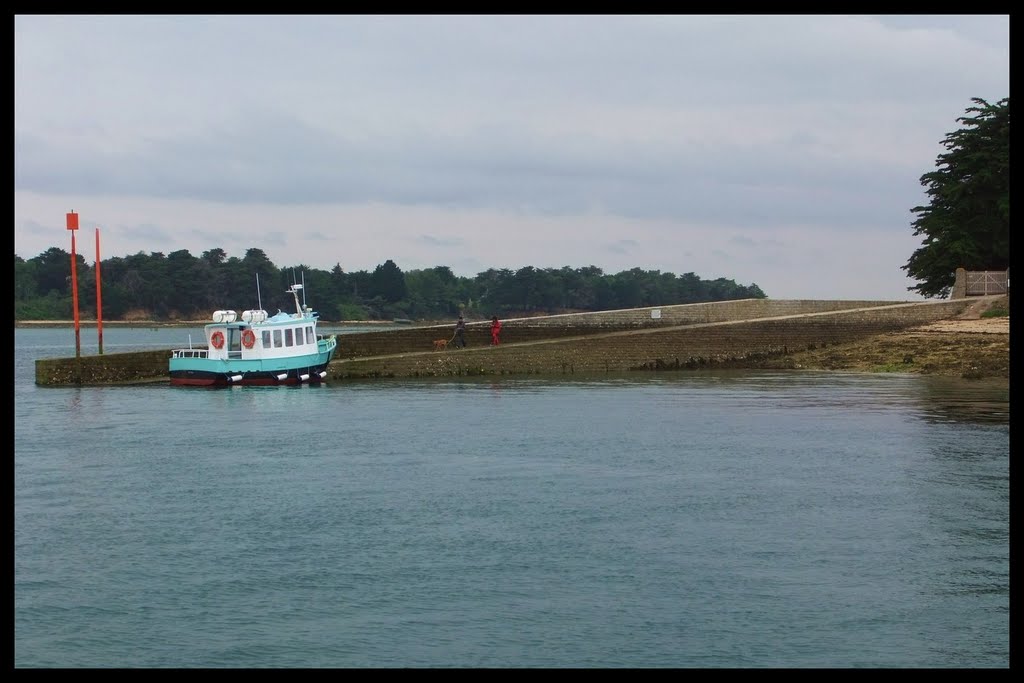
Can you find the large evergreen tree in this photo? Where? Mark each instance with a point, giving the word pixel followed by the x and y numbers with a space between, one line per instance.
pixel 388 282
pixel 967 223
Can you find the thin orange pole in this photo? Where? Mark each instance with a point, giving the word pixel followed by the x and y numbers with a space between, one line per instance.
pixel 72 226
pixel 99 294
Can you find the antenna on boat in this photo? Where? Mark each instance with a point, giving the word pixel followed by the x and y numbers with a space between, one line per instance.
pixel 303 289
pixel 259 301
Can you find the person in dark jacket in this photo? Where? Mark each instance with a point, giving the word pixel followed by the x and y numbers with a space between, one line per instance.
pixel 495 331
pixel 460 334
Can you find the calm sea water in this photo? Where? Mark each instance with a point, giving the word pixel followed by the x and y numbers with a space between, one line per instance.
pixel 718 520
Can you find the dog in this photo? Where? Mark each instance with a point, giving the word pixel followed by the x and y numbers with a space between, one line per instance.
pixel 440 344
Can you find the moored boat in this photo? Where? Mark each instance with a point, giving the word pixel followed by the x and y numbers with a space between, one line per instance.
pixel 256 349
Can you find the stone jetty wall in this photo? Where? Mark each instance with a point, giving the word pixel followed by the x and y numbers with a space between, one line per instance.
pixel 698 345
pixel 718 334
pixel 109 368
pixel 515 330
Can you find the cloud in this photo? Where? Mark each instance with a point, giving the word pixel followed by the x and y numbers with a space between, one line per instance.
pixel 623 246
pixel 594 139
pixel 440 242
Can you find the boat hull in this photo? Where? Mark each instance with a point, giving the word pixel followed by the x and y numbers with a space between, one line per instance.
pixel 215 378
pixel 189 368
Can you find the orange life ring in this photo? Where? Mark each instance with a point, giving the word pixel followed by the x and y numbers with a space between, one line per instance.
pixel 248 338
pixel 217 339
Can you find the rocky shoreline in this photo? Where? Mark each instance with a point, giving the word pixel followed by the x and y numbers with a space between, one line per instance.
pixel 969 348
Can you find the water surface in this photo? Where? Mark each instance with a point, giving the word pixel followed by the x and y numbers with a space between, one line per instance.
pixel 707 520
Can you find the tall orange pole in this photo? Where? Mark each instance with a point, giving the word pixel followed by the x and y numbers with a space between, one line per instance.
pixel 99 294
pixel 72 226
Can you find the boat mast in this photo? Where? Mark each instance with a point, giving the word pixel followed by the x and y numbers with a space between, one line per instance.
pixel 259 302
pixel 294 290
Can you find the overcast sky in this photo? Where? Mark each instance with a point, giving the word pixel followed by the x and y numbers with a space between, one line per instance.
pixel 783 151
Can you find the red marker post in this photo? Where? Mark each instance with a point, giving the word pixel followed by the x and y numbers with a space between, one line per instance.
pixel 99 295
pixel 72 223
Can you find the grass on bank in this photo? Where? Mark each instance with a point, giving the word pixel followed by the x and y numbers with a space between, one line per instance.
pixel 995 313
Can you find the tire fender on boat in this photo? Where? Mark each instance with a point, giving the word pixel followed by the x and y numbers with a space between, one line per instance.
pixel 248 338
pixel 217 340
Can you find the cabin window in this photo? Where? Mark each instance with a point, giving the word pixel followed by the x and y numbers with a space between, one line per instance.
pixel 277 339
pixel 289 339
pixel 298 337
pixel 266 339
pixel 310 339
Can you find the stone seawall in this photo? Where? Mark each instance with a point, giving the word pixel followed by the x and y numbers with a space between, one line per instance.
pixel 719 334
pixel 572 325
pixel 700 345
pixel 109 368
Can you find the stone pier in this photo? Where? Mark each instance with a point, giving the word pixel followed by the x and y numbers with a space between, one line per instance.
pixel 680 337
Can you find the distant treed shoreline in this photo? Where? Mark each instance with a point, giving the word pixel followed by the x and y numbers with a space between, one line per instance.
pixel 182 287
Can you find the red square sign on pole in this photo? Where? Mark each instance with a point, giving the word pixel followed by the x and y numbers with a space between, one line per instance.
pixel 72 226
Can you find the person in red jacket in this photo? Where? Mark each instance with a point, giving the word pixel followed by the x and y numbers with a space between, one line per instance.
pixel 495 331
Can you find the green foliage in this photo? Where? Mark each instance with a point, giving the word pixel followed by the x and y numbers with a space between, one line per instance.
pixel 180 286
pixel 388 282
pixel 967 222
pixel 25 280
pixel 53 306
pixel 351 312
pixel 995 313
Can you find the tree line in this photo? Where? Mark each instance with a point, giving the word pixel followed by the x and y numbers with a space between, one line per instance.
pixel 180 286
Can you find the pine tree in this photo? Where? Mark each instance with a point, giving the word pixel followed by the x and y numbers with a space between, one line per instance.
pixel 967 223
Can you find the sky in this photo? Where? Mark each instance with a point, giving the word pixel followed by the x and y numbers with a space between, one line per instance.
pixel 784 151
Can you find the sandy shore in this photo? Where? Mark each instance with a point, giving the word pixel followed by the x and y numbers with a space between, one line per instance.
pixel 979 325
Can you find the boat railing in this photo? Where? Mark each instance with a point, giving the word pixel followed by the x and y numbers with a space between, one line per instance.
pixel 190 353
